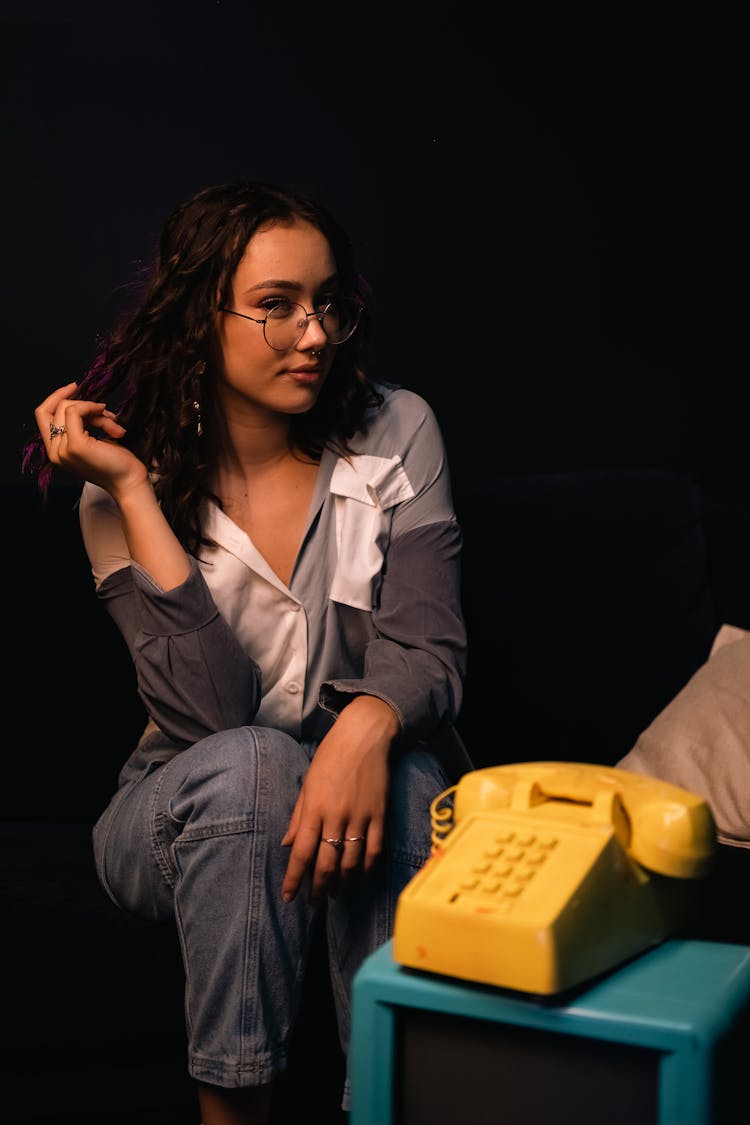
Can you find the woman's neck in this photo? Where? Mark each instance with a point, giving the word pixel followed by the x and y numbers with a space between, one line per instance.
pixel 255 441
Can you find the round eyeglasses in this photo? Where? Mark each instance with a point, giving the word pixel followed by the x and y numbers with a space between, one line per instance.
pixel 286 322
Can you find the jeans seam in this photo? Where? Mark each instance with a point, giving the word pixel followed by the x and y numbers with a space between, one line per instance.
pixel 158 821
pixel 250 961
pixel 108 819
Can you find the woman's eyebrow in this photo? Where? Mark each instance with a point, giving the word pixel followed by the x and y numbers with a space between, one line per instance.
pixel 293 286
pixel 273 283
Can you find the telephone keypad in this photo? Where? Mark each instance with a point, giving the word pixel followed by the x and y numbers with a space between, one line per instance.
pixel 504 866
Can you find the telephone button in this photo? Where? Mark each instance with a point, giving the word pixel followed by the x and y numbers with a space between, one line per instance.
pixel 524 873
pixel 525 841
pixel 514 855
pixel 493 853
pixel 469 884
pixel 547 842
pixel 502 872
pixel 481 868
pixel 512 892
pixel 504 836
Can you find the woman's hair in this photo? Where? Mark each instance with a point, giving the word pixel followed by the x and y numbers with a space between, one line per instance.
pixel 158 366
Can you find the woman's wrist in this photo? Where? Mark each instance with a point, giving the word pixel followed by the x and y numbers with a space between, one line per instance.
pixel 377 714
pixel 134 496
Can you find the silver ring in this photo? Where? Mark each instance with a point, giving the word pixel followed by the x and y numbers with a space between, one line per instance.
pixel 353 839
pixel 55 431
pixel 333 841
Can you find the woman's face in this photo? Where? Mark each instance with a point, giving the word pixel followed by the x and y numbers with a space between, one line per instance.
pixel 282 263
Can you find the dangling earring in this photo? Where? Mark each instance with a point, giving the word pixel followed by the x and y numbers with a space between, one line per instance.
pixel 199 370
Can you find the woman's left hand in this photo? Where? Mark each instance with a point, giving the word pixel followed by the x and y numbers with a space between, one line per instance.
pixel 337 824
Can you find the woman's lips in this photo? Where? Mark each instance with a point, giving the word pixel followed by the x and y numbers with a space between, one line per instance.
pixel 306 376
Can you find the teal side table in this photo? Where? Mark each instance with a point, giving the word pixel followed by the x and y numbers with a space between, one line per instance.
pixel 662 1039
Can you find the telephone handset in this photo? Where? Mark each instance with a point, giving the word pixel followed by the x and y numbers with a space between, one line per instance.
pixel 544 874
pixel 667 829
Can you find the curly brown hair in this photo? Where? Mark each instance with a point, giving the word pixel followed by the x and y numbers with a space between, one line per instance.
pixel 162 356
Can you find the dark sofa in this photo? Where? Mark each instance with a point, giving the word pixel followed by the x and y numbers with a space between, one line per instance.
pixel 590 599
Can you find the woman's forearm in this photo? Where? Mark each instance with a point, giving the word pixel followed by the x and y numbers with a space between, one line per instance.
pixel 151 541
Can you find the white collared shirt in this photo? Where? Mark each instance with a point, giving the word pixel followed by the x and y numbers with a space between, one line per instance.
pixel 372 605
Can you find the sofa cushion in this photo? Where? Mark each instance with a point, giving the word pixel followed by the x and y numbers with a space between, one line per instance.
pixel 701 739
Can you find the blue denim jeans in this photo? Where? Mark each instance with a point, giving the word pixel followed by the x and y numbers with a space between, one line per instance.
pixel 196 838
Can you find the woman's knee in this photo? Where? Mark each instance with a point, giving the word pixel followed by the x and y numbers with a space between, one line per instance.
pixel 237 774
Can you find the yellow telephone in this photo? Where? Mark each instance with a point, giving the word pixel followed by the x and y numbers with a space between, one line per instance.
pixel 544 874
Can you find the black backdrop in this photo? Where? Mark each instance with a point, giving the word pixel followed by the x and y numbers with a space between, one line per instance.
pixel 548 198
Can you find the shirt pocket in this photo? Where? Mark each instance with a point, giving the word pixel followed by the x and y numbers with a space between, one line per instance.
pixel 365 490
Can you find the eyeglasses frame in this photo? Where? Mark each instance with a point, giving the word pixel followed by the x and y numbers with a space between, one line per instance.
pixel 318 315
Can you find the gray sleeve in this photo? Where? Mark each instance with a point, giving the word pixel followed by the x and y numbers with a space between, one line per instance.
pixel 193 676
pixel 417 661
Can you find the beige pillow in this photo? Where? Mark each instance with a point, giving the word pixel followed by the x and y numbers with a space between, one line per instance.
pixel 701 739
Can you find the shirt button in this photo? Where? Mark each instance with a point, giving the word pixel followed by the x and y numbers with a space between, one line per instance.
pixel 292 687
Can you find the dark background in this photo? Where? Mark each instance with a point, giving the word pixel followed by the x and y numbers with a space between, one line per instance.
pixel 549 199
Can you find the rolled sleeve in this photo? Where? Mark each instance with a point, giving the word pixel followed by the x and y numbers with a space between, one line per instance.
pixel 193 676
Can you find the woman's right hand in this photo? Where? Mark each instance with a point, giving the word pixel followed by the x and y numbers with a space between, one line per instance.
pixel 66 426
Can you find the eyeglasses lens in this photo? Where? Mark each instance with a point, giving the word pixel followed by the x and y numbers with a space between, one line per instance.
pixel 286 324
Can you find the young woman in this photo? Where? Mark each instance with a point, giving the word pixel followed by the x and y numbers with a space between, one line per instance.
pixel 274 535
